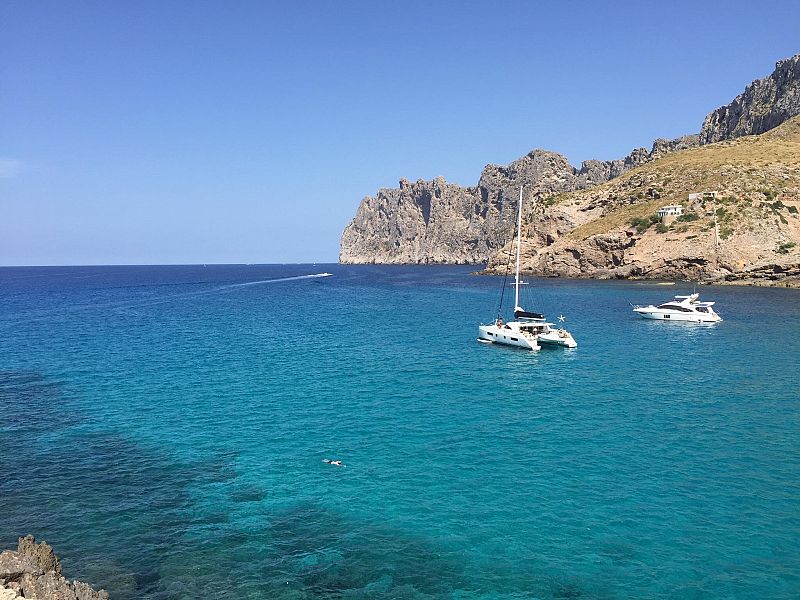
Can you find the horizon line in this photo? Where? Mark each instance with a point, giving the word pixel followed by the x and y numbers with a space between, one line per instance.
pixel 199 264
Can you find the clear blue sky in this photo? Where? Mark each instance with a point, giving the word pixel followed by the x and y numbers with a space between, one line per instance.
pixel 188 132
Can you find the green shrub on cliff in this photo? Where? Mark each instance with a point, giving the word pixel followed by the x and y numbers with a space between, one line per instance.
pixel 642 224
pixel 550 200
pixel 769 194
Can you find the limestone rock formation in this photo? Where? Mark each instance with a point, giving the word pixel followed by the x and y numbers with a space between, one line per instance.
pixel 440 222
pixel 426 221
pixel 662 146
pixel 34 571
pixel 764 104
pixel 40 554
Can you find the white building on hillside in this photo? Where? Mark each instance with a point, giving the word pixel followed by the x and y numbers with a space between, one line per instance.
pixel 673 210
pixel 697 196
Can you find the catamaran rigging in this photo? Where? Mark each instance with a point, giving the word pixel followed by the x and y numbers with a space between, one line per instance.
pixel 528 330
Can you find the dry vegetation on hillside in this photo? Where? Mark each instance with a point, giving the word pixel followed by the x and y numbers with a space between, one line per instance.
pixel 609 230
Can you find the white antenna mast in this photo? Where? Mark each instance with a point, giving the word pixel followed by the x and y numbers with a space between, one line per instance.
pixel 519 236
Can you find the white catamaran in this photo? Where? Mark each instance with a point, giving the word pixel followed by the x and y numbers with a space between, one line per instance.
pixel 528 330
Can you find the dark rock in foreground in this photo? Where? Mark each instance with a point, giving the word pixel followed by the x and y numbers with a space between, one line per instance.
pixel 34 571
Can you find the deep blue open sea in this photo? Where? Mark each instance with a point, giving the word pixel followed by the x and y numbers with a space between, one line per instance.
pixel 164 429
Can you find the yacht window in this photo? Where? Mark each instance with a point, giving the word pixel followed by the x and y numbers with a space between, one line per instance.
pixel 514 339
pixel 675 307
pixel 702 309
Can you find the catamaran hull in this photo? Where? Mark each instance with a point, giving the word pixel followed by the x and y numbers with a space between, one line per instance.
pixel 505 337
pixel 554 339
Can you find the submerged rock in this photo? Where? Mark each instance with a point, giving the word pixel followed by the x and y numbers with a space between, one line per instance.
pixel 34 571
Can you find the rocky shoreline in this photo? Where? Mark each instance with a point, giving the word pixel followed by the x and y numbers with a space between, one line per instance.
pixel 771 276
pixel 34 571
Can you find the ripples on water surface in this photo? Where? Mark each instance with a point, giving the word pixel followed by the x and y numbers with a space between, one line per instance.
pixel 163 428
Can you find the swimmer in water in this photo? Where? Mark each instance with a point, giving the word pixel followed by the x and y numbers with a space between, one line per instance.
pixel 336 463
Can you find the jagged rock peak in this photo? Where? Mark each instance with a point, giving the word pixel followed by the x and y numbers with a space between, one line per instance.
pixel 540 171
pixel 41 554
pixel 421 222
pixel 764 104
pixel 662 146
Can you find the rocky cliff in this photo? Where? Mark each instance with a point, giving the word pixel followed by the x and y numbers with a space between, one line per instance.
pixel 748 231
pixel 34 571
pixel 580 222
pixel 440 222
pixel 764 104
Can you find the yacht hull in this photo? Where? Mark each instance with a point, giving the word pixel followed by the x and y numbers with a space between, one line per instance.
pixel 670 316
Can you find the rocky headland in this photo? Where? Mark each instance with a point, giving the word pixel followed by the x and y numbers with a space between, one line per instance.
pixel 589 221
pixel 34 571
pixel 764 104
pixel 748 231
pixel 439 222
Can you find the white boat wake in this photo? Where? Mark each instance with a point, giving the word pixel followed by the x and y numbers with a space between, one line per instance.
pixel 128 305
pixel 264 281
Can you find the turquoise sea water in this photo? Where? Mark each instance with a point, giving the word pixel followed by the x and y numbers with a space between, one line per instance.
pixel 164 429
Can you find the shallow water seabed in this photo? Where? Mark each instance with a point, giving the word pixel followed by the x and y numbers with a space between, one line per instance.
pixel 165 428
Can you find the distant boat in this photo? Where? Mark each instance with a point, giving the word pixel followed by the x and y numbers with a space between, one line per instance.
pixel 682 308
pixel 528 330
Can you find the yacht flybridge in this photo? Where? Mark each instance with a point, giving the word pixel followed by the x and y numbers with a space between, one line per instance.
pixel 682 308
pixel 528 330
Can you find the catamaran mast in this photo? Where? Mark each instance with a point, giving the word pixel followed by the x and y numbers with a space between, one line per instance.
pixel 519 235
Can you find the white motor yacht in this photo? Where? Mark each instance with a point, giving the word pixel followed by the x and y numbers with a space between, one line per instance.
pixel 528 330
pixel 682 308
